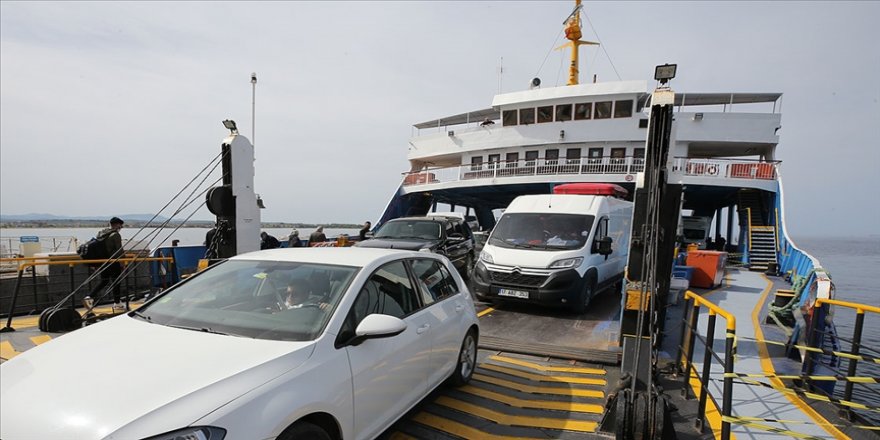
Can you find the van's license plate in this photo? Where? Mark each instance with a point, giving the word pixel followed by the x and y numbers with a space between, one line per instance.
pixel 513 293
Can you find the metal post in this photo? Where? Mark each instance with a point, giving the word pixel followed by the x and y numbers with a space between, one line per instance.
pixel 695 313
pixel 253 107
pixel 727 396
pixel 851 371
pixel 72 297
pixel 681 347
pixel 808 362
pixel 707 368
pixel 8 327
pixel 34 287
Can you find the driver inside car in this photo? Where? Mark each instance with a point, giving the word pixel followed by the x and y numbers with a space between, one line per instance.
pixel 298 293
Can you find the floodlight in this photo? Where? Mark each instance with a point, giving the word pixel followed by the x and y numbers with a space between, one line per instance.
pixel 665 72
pixel 230 125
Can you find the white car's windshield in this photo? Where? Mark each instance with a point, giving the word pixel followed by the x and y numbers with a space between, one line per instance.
pixel 257 299
pixel 419 229
pixel 542 231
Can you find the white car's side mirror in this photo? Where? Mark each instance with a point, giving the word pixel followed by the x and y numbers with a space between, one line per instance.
pixel 379 326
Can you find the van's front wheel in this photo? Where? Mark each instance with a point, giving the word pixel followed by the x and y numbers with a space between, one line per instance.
pixel 584 298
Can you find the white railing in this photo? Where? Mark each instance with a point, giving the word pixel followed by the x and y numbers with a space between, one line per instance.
pixel 717 168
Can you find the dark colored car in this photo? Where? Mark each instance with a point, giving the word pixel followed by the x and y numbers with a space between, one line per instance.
pixel 442 235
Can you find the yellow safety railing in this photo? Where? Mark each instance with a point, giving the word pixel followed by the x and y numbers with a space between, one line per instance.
pixel 686 352
pixel 856 341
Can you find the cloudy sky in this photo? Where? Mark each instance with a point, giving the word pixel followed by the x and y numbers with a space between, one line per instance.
pixel 112 107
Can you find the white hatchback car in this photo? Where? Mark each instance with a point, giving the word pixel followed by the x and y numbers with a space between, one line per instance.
pixel 314 343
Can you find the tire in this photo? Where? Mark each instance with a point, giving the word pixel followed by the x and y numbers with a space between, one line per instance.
pixel 469 267
pixel 304 430
pixel 467 360
pixel 585 297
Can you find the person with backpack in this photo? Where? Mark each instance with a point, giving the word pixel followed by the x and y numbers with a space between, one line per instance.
pixel 112 248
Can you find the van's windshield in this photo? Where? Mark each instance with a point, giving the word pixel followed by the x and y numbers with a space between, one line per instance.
pixel 542 231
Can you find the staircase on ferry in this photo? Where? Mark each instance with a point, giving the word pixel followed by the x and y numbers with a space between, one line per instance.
pixel 762 235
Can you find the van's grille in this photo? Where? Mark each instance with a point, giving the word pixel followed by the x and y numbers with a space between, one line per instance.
pixel 517 279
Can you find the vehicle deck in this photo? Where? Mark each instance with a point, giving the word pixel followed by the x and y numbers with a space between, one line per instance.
pixel 546 373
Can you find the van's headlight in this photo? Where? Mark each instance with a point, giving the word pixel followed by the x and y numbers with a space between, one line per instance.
pixel 568 263
pixel 486 257
pixel 193 433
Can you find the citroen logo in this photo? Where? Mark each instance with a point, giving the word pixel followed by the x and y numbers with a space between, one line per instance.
pixel 517 270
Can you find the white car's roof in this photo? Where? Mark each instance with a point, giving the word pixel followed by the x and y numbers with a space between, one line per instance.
pixel 345 256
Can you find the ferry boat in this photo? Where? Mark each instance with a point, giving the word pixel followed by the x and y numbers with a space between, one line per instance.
pixel 777 368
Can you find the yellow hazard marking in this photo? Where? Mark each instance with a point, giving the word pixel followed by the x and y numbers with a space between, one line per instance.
pixel 488 310
pixel 855 379
pixel 802 422
pixel 25 322
pixel 528 421
pixel 558 391
pixel 544 378
pixel 37 340
pixel 400 436
pixel 536 404
pixel 7 351
pixel 769 428
pixel 767 366
pixel 540 367
pixel 455 428
pixel 712 412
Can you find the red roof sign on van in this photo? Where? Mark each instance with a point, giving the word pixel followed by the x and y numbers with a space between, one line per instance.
pixel 591 189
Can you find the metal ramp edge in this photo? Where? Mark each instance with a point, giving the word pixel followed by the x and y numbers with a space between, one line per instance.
pixel 548 350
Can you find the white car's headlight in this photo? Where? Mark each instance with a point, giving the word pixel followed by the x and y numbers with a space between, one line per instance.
pixel 568 263
pixel 487 257
pixel 193 433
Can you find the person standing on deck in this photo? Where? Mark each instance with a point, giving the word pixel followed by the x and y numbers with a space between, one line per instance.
pixel 364 230
pixel 268 242
pixel 113 248
pixel 317 236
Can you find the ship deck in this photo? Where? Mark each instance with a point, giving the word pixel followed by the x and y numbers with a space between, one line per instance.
pixel 546 373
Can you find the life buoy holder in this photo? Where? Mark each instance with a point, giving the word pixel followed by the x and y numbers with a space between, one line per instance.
pixel 712 169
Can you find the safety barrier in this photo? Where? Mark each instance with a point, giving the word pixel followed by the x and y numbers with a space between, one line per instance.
pixel 28 265
pixel 686 352
pixel 816 352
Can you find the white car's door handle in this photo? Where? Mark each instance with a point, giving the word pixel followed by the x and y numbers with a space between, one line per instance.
pixel 458 308
pixel 423 328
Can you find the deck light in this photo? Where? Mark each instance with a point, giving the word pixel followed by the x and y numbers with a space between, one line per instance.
pixel 698 116
pixel 450 133
pixel 561 134
pixel 230 125
pixel 260 202
pixel 665 72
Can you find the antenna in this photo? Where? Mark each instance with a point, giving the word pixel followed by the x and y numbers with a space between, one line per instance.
pixel 500 73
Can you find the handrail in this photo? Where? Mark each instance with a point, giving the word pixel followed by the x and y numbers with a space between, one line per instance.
pixel 686 353
pixel 855 342
pixel 749 218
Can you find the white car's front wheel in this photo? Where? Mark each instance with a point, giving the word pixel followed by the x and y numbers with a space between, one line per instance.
pixel 467 360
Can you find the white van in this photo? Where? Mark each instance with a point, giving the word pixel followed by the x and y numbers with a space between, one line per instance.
pixel 695 230
pixel 556 249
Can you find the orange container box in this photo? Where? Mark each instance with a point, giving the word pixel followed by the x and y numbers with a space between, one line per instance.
pixel 708 268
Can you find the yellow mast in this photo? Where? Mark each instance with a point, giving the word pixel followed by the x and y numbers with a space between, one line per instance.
pixel 573 34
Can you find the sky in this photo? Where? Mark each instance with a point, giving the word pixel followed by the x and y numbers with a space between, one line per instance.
pixel 112 107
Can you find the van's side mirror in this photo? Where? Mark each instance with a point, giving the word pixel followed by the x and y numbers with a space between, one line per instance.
pixel 604 245
pixel 455 236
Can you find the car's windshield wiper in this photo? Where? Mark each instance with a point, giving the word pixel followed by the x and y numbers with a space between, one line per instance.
pixel 203 329
pixel 142 316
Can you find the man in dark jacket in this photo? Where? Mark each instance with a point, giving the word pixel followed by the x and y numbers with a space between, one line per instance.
pixel 113 250
pixel 317 236
pixel 268 242
pixel 363 232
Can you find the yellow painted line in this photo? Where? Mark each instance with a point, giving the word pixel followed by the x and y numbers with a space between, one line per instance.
pixel 25 322
pixel 488 310
pixel 455 428
pixel 509 420
pixel 7 351
pixel 767 366
pixel 400 436
pixel 37 340
pixel 544 378
pixel 540 367
pixel 712 413
pixel 536 404
pixel 558 391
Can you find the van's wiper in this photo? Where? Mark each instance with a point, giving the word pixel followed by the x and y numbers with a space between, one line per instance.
pixel 142 316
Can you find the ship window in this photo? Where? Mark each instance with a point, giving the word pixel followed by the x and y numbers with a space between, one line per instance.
pixel 572 156
pixel 618 153
pixel 508 118
pixel 545 114
pixel 476 163
pixel 595 153
pixel 527 116
pixel 583 110
pixel 603 110
pixel 493 161
pixel 639 153
pixel 531 157
pixel 512 160
pixel 623 109
pixel 563 112
pixel 551 157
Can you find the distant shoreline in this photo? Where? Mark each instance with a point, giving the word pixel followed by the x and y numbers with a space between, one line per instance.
pixel 139 224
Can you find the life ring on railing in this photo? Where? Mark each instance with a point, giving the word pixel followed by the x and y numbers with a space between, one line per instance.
pixel 712 169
